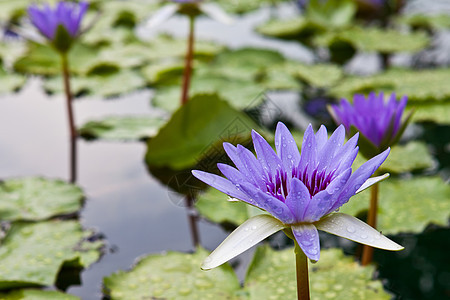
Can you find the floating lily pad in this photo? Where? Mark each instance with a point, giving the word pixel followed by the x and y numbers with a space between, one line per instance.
pixel 186 138
pixel 319 75
pixel 336 276
pixel 419 85
pixel 433 112
pixel 10 82
pixel 32 294
pixel 107 85
pixel 426 21
pixel 407 205
pixel 165 72
pixel 37 198
pixel 413 156
pixel 376 39
pixel 241 94
pixel 43 60
pixel 334 14
pixel 172 275
pixel 245 6
pixel 286 29
pixel 128 128
pixel 214 205
pixel 33 253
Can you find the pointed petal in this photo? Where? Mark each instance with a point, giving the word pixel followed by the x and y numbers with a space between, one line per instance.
pixel 286 147
pixel 272 205
pixel 298 199
pixel 351 228
pixel 162 15
pixel 371 181
pixel 359 177
pixel 250 233
pixel 321 137
pixel 309 151
pixel 267 157
pixel 307 238
pixel 221 184
pixel 216 13
pixel 328 152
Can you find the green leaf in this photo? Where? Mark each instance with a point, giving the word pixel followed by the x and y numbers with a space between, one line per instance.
pixel 214 205
pixel 164 72
pixel 336 276
pixel 432 112
pixel 128 128
pixel 43 60
pixel 376 40
pixel 422 85
pixel 191 133
pixel 241 94
pixel 10 82
pixel 245 6
pixel 319 75
pixel 107 85
pixel 331 13
pixel 37 198
pixel 32 294
pixel 407 205
pixel 426 21
pixel 410 157
pixel 33 253
pixel 287 29
pixel 172 275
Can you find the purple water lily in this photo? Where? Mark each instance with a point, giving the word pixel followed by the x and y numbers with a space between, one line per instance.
pixel 379 121
pixel 298 190
pixel 67 14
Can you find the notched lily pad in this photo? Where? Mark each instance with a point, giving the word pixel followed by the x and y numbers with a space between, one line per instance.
pixel 33 294
pixel 122 128
pixel 172 275
pixel 36 198
pixel 407 205
pixel 432 112
pixel 335 276
pixel 32 254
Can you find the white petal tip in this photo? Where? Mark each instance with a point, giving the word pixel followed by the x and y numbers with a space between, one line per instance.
pixel 371 181
pixel 231 199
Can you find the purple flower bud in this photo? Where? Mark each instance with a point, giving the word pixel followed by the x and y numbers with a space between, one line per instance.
pixel 378 121
pixel 67 14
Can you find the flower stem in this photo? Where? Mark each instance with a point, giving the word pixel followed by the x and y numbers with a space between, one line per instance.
pixel 72 129
pixel 367 253
pixel 189 201
pixel 188 62
pixel 301 262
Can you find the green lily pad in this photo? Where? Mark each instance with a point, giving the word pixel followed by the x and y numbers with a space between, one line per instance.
pixel 334 14
pixel 33 294
pixel 407 205
pixel 413 156
pixel 422 85
pixel 336 276
pixel 319 75
pixel 107 85
pixel 433 112
pixel 10 82
pixel 286 29
pixel 191 133
pixel 43 60
pixel 426 21
pixel 376 40
pixel 33 253
pixel 128 128
pixel 245 6
pixel 164 73
pixel 214 205
pixel 37 198
pixel 241 94
pixel 172 275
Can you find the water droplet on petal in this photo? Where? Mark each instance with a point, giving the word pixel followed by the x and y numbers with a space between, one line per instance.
pixel 350 229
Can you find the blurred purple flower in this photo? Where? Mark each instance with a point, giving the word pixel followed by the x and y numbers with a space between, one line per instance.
pixel 67 14
pixel 298 190
pixel 379 121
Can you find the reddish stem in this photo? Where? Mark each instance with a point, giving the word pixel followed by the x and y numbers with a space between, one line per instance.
pixel 188 63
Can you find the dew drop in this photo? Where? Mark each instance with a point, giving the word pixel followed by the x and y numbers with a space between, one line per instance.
pixel 364 236
pixel 350 229
pixel 254 227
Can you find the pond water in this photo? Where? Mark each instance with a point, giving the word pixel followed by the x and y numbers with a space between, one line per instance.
pixel 136 214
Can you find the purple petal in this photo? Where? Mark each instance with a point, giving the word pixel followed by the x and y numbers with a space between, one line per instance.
pixel 266 156
pixel 399 112
pixel 246 162
pixel 359 177
pixel 298 199
pixel 333 145
pixel 272 205
pixel 231 173
pixel 221 184
pixel 308 158
pixel 286 147
pixel 323 202
pixel 83 6
pixel 321 137
pixel 307 238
